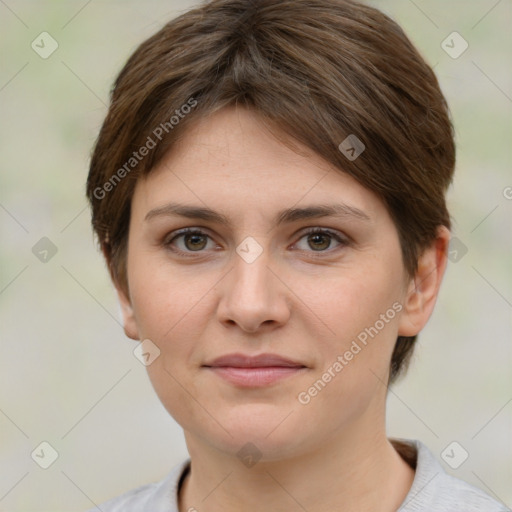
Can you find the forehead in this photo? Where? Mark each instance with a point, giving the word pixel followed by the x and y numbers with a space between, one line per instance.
pixel 230 159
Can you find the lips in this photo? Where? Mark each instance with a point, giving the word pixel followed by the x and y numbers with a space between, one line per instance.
pixel 245 371
pixel 260 361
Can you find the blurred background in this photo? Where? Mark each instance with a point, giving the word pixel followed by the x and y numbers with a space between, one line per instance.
pixel 68 376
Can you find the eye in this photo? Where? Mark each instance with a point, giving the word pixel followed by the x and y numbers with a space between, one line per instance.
pixel 320 239
pixel 194 240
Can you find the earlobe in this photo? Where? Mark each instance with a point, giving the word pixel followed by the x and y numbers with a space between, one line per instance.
pixel 129 323
pixel 424 288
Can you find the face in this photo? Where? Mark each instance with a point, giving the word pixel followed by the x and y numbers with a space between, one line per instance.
pixel 328 292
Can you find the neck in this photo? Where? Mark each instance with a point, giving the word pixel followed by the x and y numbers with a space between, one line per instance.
pixel 351 472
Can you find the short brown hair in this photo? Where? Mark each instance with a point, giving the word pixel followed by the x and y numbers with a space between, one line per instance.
pixel 317 71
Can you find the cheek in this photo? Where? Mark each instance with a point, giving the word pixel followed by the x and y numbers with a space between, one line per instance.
pixel 361 311
pixel 164 298
pixel 169 312
pixel 354 361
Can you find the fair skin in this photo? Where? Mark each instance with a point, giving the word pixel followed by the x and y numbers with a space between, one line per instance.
pixel 305 297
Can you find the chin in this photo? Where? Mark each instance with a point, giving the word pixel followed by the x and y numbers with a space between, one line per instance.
pixel 265 433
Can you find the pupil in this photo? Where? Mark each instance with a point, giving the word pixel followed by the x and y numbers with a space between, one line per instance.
pixel 194 239
pixel 320 236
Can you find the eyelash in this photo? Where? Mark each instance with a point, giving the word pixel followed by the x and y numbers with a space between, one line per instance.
pixel 194 231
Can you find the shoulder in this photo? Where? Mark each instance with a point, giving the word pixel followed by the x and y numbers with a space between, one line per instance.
pixel 433 490
pixel 457 495
pixel 129 501
pixel 154 497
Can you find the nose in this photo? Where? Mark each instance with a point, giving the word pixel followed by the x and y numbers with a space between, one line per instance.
pixel 253 295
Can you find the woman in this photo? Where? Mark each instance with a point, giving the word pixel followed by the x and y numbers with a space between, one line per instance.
pixel 268 189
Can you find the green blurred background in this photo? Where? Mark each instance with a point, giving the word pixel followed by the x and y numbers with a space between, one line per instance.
pixel 67 372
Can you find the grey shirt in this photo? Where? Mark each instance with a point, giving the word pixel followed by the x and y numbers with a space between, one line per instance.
pixel 433 490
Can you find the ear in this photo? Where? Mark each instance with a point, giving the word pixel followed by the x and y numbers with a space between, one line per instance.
pixel 424 287
pixel 129 323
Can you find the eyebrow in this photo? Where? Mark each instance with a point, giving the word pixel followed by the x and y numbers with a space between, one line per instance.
pixel 287 215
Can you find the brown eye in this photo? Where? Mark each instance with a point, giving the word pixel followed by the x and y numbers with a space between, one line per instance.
pixel 319 240
pixel 194 242
pixel 188 241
